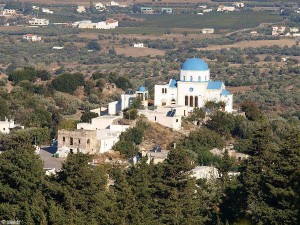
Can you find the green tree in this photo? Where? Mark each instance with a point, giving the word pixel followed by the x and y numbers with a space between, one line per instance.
pixel 269 179
pixel 93 45
pixel 22 187
pixel 86 117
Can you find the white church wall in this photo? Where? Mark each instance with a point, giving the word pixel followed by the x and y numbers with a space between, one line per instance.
pixel 191 89
pixel 113 108
pixel 159 96
pixel 196 76
pixel 161 118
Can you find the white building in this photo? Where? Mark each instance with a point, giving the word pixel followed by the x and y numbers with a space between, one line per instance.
pixel 38 22
pixel 7 125
pixel 113 3
pixel 138 45
pixel 80 9
pixel 223 8
pixel 108 24
pixel 87 24
pixel 205 172
pixel 32 37
pixel 207 10
pixel 294 29
pixel 278 30
pixel 126 99
pixel 208 30
pixel 9 12
pixel 100 6
pixel 167 116
pixel 96 137
pixel 239 4
pixel 193 88
pixel 156 155
pixel 47 11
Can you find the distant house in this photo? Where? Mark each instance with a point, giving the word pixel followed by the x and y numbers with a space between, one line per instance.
pixel 35 7
pixel 38 22
pixel 96 137
pixel 278 30
pixel 113 3
pixel 166 10
pixel 9 12
pixel 147 10
pixel 45 10
pixel 100 6
pixel 239 4
pixel 81 9
pixel 32 37
pixel 223 8
pixel 207 10
pixel 296 35
pixel 254 32
pixel 7 125
pixel 138 45
pixel 57 47
pixel 294 29
pixel 205 172
pixel 157 155
pixel 208 30
pixel 108 24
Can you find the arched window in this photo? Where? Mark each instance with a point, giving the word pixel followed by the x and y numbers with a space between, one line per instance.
pixel 186 100
pixel 199 79
pixel 196 101
pixel 191 101
pixel 183 78
pixel 191 78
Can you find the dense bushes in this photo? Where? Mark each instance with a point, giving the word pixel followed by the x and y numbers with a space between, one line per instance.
pixel 68 82
pixel 28 73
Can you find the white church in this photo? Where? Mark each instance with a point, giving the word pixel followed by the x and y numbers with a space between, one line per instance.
pixel 193 88
pixel 174 100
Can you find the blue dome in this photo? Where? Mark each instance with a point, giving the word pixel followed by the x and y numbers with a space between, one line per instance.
pixel 195 64
pixel 141 89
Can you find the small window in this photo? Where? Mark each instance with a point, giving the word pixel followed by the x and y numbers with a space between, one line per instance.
pixel 71 151
pixel 71 141
pixel 154 118
pixel 163 90
pixel 183 78
pixel 196 101
pixel 64 139
pixel 176 120
pixel 78 140
pixel 3 128
pixel 199 79
pixel 191 78
pixel 88 141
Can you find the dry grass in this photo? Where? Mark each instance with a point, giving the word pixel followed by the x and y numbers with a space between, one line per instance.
pixel 158 134
pixel 254 44
pixel 139 52
pixel 127 2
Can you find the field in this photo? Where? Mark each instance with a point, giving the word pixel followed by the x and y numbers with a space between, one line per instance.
pixel 254 44
pixel 233 20
pixel 138 52
pixel 87 2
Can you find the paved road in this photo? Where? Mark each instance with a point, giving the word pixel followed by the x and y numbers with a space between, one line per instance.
pixel 49 161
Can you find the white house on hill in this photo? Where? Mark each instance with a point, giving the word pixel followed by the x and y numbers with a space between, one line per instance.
pixel 193 88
